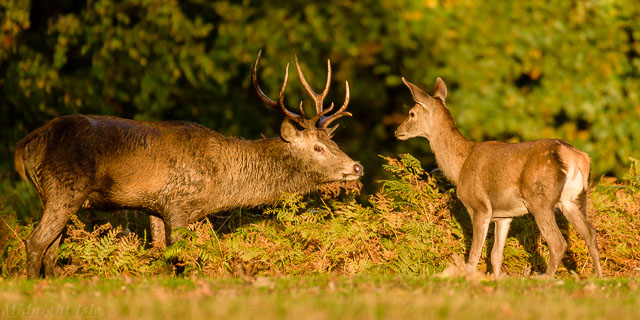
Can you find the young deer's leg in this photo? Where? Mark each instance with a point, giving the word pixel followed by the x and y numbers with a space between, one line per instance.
pixel 497 253
pixel 546 221
pixel 576 214
pixel 541 187
pixel 480 220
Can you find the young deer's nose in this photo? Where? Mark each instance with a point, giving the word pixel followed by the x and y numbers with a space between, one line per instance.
pixel 359 169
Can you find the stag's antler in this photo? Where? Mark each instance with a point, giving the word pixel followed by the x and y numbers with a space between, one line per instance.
pixel 323 122
pixel 279 106
pixel 320 119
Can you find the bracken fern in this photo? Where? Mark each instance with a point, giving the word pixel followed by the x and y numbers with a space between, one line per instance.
pixel 105 252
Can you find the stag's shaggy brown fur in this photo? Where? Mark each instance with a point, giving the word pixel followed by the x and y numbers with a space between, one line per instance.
pixel 178 172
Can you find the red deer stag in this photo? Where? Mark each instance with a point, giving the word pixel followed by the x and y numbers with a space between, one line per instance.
pixel 178 172
pixel 497 181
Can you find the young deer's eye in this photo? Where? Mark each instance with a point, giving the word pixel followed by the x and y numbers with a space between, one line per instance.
pixel 318 149
pixel 412 114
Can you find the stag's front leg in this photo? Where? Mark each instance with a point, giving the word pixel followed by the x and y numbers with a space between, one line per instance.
pixel 173 220
pixel 497 253
pixel 480 220
pixel 156 224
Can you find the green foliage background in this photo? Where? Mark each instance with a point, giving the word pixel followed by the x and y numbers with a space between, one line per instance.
pixel 516 70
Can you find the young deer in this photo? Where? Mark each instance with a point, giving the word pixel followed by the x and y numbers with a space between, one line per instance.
pixel 497 181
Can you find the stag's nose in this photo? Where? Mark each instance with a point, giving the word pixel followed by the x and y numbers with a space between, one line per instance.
pixel 359 169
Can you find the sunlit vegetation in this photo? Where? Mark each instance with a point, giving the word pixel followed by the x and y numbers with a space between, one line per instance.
pixel 414 225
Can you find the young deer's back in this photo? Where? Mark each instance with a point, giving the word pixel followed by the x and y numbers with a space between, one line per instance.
pixel 498 175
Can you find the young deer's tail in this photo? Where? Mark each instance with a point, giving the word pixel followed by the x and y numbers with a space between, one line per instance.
pixel 577 170
pixel 573 200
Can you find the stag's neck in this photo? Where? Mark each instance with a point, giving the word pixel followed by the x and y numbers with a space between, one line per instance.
pixel 261 171
pixel 450 147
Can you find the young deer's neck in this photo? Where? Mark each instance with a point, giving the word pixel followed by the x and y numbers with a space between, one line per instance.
pixel 450 147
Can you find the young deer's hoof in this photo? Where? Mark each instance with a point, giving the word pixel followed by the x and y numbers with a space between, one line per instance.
pixel 540 276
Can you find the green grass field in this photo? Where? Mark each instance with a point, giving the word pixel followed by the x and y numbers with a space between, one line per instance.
pixel 320 297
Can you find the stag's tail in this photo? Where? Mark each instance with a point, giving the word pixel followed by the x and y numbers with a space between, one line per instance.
pixel 29 155
pixel 18 159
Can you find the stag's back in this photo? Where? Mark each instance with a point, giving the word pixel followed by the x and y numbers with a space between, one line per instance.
pixel 115 157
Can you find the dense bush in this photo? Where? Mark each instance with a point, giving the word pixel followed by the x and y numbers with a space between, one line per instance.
pixel 515 69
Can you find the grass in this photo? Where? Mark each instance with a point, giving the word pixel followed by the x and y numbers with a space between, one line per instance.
pixel 320 297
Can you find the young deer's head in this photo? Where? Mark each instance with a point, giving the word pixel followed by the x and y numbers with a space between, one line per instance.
pixel 312 145
pixel 426 114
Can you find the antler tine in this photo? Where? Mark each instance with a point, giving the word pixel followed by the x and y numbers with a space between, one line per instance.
pixel 281 98
pixel 328 83
pixel 317 98
pixel 256 86
pixel 279 106
pixel 326 121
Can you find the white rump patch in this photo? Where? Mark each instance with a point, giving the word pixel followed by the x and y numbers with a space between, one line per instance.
pixel 573 186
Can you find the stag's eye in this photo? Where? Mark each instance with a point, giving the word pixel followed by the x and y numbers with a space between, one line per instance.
pixel 318 148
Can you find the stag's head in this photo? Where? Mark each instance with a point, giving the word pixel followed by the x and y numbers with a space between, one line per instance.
pixel 310 139
pixel 425 115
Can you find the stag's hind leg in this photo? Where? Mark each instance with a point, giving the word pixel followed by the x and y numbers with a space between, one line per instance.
pixel 50 227
pixel 56 212
pixel 576 213
pixel 49 259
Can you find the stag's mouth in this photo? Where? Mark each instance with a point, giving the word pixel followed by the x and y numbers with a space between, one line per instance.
pixel 355 173
pixel 350 176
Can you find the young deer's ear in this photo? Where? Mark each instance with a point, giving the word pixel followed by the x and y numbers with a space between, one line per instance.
pixel 288 131
pixel 419 96
pixel 440 90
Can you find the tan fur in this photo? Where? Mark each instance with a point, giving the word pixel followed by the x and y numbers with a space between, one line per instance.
pixel 497 181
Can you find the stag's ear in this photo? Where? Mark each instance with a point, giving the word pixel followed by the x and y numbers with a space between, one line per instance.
pixel 440 91
pixel 419 96
pixel 288 131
